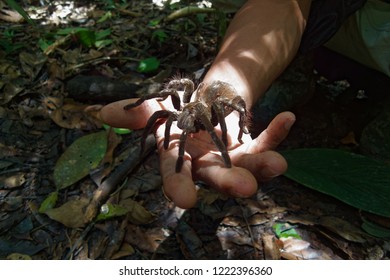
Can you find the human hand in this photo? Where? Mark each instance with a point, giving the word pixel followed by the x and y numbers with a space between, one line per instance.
pixel 253 160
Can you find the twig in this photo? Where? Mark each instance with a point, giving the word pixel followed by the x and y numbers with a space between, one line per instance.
pixel 255 246
pixel 108 185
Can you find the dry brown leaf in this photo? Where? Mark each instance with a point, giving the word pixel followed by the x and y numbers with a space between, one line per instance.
pixel 137 213
pixel 32 63
pixel 297 249
pixel 70 214
pixel 113 141
pixel 13 181
pixel 343 228
pixel 210 196
pixel 125 250
pixel 233 236
pixel 10 90
pixel 271 247
pixel 72 115
pixel 144 239
pixel 349 139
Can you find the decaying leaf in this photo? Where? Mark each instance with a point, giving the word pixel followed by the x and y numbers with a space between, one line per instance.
pixel 80 158
pixel 137 213
pixel 17 256
pixel 32 63
pixel 10 90
pixel 272 246
pixel 344 229
pixel 72 115
pixel 297 249
pixel 13 181
pixel 70 214
pixel 144 239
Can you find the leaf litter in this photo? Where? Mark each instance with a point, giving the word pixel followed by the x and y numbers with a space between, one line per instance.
pixel 102 201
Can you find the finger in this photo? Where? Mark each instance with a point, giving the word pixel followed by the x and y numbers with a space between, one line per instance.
pixel 114 115
pixel 264 166
pixel 179 187
pixel 234 181
pixel 274 134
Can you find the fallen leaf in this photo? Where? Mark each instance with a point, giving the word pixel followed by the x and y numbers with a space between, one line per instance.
pixel 343 228
pixel 137 213
pixel 109 210
pixel 144 239
pixel 271 246
pixel 49 202
pixel 13 181
pixel 349 139
pixel 32 63
pixel 79 159
pixel 70 214
pixel 17 256
pixel 72 115
pixel 124 251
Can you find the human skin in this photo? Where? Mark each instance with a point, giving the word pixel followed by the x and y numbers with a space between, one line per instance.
pixel 260 42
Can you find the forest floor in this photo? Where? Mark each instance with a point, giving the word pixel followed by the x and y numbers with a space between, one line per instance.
pixel 45 107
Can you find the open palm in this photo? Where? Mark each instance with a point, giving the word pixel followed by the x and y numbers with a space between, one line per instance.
pixel 253 161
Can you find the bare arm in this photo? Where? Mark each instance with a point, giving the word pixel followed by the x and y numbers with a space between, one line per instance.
pixel 261 41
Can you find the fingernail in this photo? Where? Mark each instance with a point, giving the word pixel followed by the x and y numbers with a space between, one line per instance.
pixel 289 123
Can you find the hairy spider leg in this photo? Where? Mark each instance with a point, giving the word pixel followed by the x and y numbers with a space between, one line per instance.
pixel 162 95
pixel 198 92
pixel 161 114
pixel 188 88
pixel 182 144
pixel 210 129
pixel 238 104
pixel 173 117
pixel 220 112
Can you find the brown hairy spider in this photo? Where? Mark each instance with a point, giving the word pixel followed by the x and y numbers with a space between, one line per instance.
pixel 212 103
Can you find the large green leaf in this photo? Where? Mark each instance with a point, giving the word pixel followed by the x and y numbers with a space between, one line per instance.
pixel 80 158
pixel 354 179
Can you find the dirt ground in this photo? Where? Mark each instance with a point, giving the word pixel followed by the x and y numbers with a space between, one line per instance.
pixel 32 139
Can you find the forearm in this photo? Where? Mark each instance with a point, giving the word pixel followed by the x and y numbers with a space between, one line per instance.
pixel 260 42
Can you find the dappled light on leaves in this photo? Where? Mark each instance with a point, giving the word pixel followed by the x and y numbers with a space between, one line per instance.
pixel 73 188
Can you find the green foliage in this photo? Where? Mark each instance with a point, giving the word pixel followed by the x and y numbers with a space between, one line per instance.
pixel 117 130
pixel 160 35
pixel 285 230
pixel 109 210
pixel 148 65
pixel 376 230
pixel 79 159
pixel 357 180
pixel 7 42
pixel 86 37
pixel 49 202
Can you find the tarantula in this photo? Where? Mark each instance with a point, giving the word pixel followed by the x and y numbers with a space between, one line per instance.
pixel 212 103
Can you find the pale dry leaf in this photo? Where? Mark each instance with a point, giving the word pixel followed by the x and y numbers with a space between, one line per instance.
pixel 137 213
pixel 70 214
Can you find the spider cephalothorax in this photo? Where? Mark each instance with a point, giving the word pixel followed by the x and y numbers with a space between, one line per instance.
pixel 211 104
